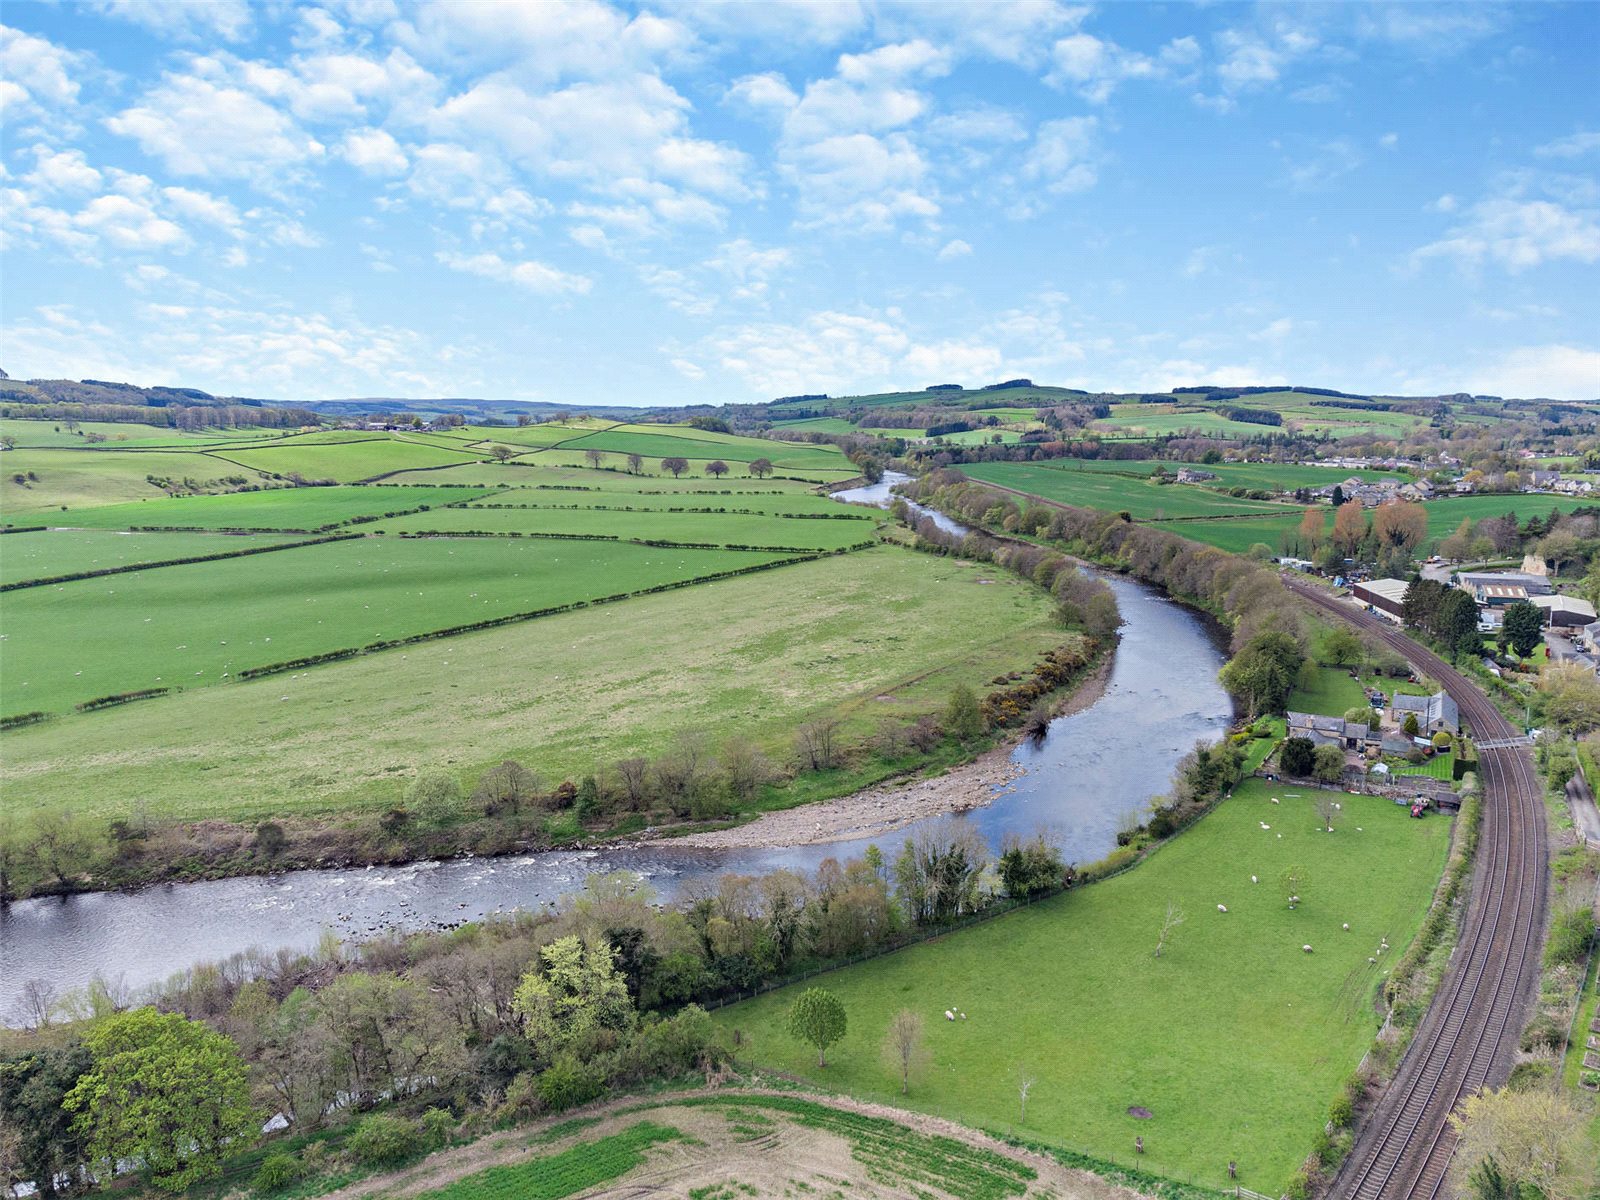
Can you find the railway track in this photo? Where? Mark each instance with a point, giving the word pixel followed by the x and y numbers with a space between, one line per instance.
pixel 1468 1038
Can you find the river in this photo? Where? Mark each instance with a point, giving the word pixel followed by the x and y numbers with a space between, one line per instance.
pixel 1090 770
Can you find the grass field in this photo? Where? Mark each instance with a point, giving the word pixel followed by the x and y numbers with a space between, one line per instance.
pixel 554 1176
pixel 119 434
pixel 348 462
pixel 1235 1040
pixel 717 529
pixel 75 478
pixel 881 633
pixel 656 500
pixel 1285 476
pixel 699 446
pixel 1114 493
pixel 197 625
pixel 63 552
pixel 276 508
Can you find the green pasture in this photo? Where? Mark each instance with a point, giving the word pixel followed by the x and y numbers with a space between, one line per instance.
pixel 695 476
pixel 982 437
pixel 196 625
pixel 1280 476
pixel 1154 424
pixel 54 552
pixel 1445 516
pixel 717 529
pixel 647 498
pixel 881 634
pixel 117 434
pixel 698 445
pixel 1237 534
pixel 275 508
pixel 77 478
pixel 819 425
pixel 349 461
pixel 1113 493
pixel 571 469
pixel 1235 1039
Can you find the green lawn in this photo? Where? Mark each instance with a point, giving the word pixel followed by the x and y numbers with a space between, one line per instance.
pixel 197 625
pixel 1114 493
pixel 716 529
pixel 64 552
pixel 1335 694
pixel 1235 1039
pixel 276 508
pixel 884 633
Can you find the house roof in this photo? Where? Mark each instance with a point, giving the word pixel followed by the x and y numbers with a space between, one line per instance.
pixel 1437 709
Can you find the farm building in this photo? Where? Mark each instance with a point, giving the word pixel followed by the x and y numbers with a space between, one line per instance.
pixel 1331 731
pixel 1385 595
pixel 1434 713
pixel 1531 584
pixel 1590 637
pixel 1565 611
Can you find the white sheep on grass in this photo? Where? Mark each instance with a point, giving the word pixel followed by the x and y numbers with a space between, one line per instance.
pixel 1307 949
pixel 1222 908
pixel 948 1015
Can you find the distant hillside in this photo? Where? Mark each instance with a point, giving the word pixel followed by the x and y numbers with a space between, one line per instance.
pixel 476 411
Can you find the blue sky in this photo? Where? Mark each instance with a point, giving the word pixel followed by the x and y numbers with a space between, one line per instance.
pixel 708 202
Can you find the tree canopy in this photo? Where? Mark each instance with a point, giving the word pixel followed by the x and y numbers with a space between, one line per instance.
pixel 817 1018
pixel 165 1092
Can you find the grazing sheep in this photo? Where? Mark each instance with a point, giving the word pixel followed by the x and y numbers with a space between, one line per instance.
pixel 1222 908
pixel 963 1016
pixel 948 1015
pixel 1264 825
pixel 1347 926
pixel 1307 949
pixel 1253 879
pixel 1370 959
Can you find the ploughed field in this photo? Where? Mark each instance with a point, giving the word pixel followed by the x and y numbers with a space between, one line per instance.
pixel 697 603
pixel 1235 1040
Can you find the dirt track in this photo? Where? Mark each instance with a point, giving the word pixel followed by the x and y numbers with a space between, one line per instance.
pixel 786 1160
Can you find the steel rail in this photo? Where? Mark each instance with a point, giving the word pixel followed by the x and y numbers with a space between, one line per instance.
pixel 1467 1039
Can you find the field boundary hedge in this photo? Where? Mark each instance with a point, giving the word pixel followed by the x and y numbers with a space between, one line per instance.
pixel 25 529
pixel 175 562
pixel 657 543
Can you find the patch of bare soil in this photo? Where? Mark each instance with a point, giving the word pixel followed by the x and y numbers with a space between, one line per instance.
pixel 729 1153
pixel 889 806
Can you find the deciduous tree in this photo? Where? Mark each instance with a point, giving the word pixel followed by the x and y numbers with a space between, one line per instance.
pixel 574 991
pixel 716 468
pixel 165 1092
pixel 903 1046
pixel 676 465
pixel 760 467
pixel 817 1017
pixel 1536 1141
pixel 1349 527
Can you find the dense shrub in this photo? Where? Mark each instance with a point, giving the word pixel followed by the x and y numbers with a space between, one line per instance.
pixel 277 1171
pixel 382 1140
